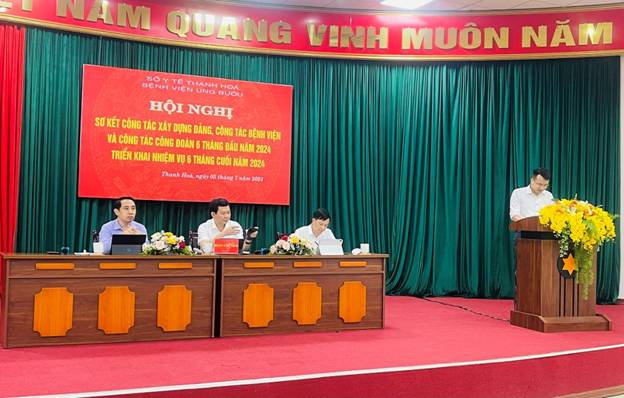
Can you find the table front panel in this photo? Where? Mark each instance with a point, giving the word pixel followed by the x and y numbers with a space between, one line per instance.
pixel 298 294
pixel 107 304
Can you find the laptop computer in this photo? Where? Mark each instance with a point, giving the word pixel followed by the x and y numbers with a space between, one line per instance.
pixel 330 247
pixel 127 244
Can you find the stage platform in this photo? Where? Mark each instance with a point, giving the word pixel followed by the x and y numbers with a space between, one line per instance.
pixel 436 347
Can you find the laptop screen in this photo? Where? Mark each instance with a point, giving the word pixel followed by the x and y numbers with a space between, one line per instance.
pixel 330 247
pixel 127 243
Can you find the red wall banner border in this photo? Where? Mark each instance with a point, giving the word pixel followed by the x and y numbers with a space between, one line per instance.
pixel 526 34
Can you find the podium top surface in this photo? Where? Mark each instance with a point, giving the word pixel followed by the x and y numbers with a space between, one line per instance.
pixel 528 224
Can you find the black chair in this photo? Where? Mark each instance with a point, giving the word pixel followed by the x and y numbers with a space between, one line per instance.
pixel 193 239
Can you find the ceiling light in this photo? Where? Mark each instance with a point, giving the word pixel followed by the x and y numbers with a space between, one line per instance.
pixel 406 4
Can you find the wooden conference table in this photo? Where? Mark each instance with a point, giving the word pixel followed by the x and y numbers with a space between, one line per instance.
pixel 73 299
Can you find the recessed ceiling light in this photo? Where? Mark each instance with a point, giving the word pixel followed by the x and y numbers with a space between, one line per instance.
pixel 406 4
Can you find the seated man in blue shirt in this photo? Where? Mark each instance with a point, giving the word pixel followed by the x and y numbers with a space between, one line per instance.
pixel 125 210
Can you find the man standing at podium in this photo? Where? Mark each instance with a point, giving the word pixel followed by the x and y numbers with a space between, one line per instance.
pixel 528 201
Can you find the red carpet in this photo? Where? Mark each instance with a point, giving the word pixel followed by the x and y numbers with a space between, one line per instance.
pixel 419 334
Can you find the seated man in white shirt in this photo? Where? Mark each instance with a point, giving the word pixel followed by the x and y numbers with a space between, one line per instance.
pixel 220 226
pixel 528 201
pixel 318 228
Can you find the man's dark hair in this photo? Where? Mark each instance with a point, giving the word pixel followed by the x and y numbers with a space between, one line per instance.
pixel 214 205
pixel 541 171
pixel 117 203
pixel 321 214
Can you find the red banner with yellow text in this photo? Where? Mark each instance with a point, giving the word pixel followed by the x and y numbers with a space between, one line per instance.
pixel 295 31
pixel 164 136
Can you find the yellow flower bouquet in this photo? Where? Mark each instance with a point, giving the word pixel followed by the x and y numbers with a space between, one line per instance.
pixel 581 228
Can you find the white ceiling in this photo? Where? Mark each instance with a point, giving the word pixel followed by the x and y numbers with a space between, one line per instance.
pixel 435 5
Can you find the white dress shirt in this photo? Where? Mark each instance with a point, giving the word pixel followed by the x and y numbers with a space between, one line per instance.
pixel 207 231
pixel 306 233
pixel 525 203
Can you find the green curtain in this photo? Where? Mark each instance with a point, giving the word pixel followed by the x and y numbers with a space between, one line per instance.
pixel 418 159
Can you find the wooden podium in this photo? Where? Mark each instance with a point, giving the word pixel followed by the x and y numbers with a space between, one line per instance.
pixel 546 300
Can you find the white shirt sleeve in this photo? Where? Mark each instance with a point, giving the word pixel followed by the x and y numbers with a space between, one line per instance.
pixel 239 235
pixel 514 205
pixel 203 233
pixel 301 232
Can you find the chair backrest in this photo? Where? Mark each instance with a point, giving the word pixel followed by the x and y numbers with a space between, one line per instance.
pixel 193 239
pixel 281 235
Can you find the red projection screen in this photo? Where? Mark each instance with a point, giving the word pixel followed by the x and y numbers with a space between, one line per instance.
pixel 172 137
